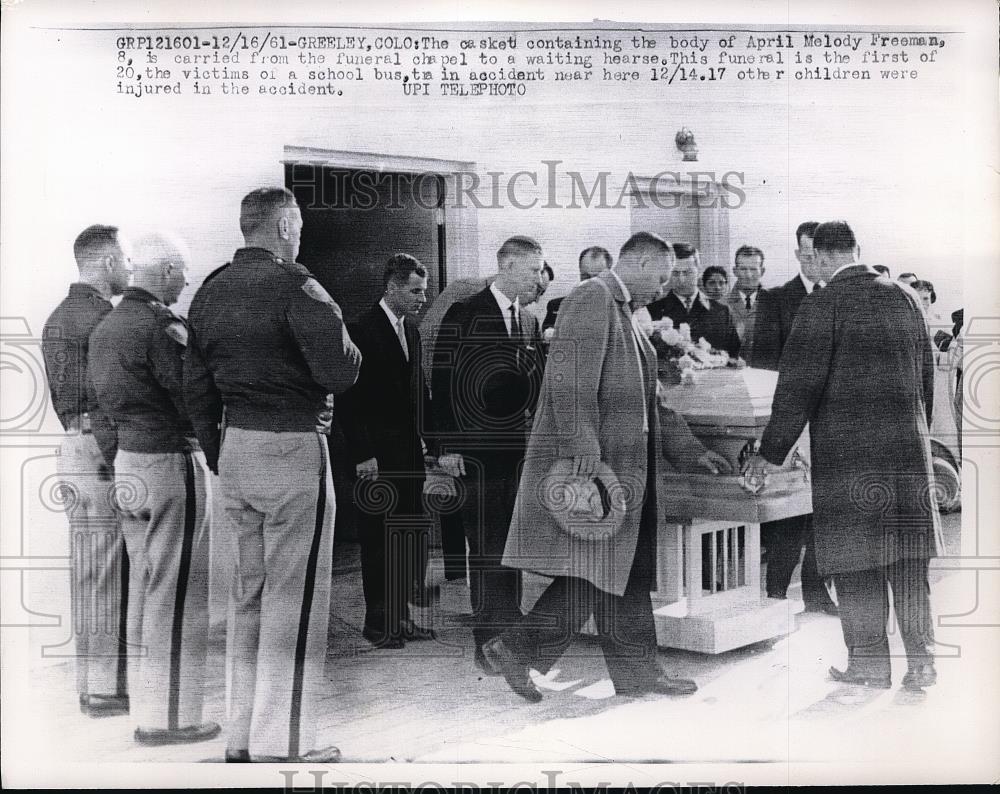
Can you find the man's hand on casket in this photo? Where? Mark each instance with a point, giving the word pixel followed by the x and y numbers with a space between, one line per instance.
pixel 714 462
pixel 757 468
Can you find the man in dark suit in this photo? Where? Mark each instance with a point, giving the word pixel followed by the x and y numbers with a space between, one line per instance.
pixel 487 374
pixel 785 539
pixel 383 416
pixel 859 369
pixel 686 304
pixel 745 295
pixel 592 260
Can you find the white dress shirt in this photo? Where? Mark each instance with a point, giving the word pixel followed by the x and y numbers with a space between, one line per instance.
pixel 505 303
pixel 397 325
pixel 809 285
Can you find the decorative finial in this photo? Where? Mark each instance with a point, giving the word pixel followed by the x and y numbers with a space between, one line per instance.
pixel 685 142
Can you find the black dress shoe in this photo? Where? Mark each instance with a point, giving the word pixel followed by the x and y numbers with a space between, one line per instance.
pixel 485 666
pixel 855 674
pixel 426 596
pixel 192 733
pixel 104 705
pixel 512 669
pixel 327 755
pixel 665 685
pixel 237 756
pixel 381 640
pixel 920 676
pixel 411 631
pixel 827 607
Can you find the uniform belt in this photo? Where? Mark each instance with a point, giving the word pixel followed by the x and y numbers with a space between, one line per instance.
pixel 79 423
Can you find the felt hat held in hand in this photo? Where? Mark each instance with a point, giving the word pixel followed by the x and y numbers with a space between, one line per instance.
pixel 588 508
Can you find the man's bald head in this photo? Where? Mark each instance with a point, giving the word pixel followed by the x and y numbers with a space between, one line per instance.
pixel 159 265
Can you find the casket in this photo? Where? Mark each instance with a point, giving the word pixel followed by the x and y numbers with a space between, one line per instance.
pixel 727 409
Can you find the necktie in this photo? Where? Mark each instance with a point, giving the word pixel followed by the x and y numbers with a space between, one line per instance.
pixel 402 338
pixel 749 304
pixel 515 334
pixel 515 326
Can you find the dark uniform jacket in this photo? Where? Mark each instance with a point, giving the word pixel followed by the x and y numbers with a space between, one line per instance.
pixel 268 343
pixel 485 384
pixel 386 413
pixel 707 318
pixel 776 310
pixel 65 348
pixel 136 365
pixel 859 368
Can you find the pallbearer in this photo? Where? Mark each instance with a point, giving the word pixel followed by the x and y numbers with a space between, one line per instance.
pixel 136 367
pixel 99 572
pixel 268 344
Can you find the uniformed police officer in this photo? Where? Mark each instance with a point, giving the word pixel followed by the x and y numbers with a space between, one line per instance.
pixel 137 368
pixel 267 345
pixel 99 564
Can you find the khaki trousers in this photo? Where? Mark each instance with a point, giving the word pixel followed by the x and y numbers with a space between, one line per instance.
pixel 98 568
pixel 163 498
pixel 277 494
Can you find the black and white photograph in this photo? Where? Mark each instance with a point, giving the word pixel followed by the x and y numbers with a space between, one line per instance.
pixel 476 395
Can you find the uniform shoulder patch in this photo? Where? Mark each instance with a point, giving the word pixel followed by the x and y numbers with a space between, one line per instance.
pixel 314 290
pixel 178 332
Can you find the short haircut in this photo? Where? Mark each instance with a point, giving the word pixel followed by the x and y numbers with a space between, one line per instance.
pixel 399 267
pixel 748 250
pixel 643 241
pixel 595 251
pixel 921 285
pixel 713 270
pixel 518 246
pixel 548 271
pixel 259 206
pixel 93 238
pixel 835 236
pixel 807 229
pixel 684 251
pixel 881 269
pixel 901 276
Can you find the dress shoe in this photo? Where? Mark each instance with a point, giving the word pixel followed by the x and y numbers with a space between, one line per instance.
pixel 237 756
pixel 104 705
pixel 381 640
pixel 484 665
pixel 665 685
pixel 192 733
pixel 512 669
pixel 826 606
pixel 920 676
pixel 327 755
pixel 426 596
pixel 856 674
pixel 411 631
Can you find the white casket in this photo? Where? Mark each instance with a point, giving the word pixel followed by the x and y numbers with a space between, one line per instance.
pixel 727 409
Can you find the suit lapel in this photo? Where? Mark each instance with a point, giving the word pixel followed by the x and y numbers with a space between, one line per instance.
pixel 380 321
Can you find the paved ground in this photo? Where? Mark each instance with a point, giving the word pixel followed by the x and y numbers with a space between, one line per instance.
pixel 429 704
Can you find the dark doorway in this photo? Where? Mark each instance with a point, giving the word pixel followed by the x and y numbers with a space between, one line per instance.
pixel 353 221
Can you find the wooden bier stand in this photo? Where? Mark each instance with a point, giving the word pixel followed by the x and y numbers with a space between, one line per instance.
pixel 708 595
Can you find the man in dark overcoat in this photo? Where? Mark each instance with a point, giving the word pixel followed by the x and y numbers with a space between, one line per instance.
pixel 858 367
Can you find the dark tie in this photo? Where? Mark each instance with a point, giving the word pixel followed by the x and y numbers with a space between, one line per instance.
pixel 515 326
pixel 749 303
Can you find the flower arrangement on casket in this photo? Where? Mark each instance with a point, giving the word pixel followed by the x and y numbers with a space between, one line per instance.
pixel 678 356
